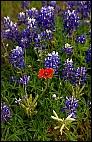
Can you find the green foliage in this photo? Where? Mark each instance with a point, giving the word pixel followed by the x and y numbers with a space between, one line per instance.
pixel 40 127
pixel 29 105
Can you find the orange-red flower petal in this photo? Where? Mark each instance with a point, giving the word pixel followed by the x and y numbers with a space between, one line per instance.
pixel 46 73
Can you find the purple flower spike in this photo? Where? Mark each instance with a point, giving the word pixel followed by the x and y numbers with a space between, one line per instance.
pixel 45 35
pixel 25 4
pixel 46 18
pixel 71 104
pixel 53 3
pixel 22 17
pixel 80 75
pixel 53 61
pixel 71 20
pixel 16 57
pixel 24 79
pixel 68 70
pixel 5 112
pixel 81 39
pixel 10 30
pixel 44 3
pixel 88 55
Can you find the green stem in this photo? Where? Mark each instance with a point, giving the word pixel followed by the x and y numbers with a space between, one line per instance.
pixel 46 87
pixel 25 56
pixel 25 90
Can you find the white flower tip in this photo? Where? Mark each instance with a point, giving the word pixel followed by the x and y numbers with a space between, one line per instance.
pixel 54 96
pixel 33 8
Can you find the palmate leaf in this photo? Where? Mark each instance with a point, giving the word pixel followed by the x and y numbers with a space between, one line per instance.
pixel 23 106
pixel 77 91
pixel 29 100
pixel 63 122
pixel 30 105
pixel 81 89
pixel 34 101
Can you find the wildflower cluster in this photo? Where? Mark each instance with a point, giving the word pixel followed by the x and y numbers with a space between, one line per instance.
pixel 74 75
pixel 74 13
pixel 83 7
pixel 31 37
pixel 39 27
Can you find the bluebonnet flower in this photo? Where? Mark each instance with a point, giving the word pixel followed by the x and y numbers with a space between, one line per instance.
pixel 44 3
pixel 25 4
pixel 71 104
pixel 5 112
pixel 52 61
pixel 68 70
pixel 7 22
pixel 58 10
pixel 22 17
pixel 29 16
pixel 47 34
pixel 40 39
pixel 24 79
pixel 37 41
pixel 10 29
pixel 80 75
pixel 16 57
pixel 53 3
pixel 71 20
pixel 35 32
pixel 46 18
pixel 81 39
pixel 25 33
pixel 24 42
pixel 31 23
pixel 71 5
pixel 68 49
pixel 84 8
pixel 37 38
pixel 75 76
pixel 88 55
pixel 32 13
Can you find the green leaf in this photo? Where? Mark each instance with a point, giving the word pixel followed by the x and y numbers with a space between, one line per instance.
pixel 82 89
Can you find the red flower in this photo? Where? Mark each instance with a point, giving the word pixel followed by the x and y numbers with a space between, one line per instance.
pixel 46 73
